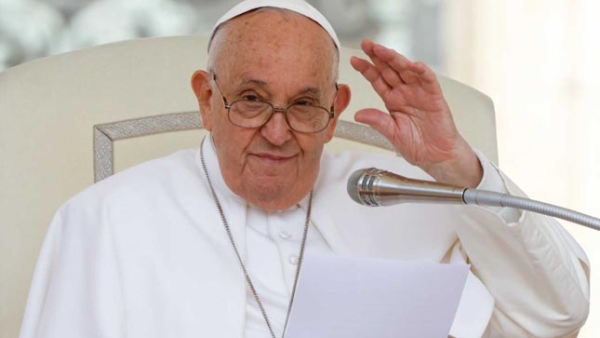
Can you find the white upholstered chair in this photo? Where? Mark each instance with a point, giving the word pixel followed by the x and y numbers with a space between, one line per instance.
pixel 63 119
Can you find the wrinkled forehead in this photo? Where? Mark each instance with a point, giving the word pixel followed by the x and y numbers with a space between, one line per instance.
pixel 265 44
pixel 298 6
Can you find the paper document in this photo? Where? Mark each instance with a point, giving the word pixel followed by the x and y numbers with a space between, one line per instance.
pixel 347 297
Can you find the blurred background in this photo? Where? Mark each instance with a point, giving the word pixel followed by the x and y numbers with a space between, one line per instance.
pixel 536 59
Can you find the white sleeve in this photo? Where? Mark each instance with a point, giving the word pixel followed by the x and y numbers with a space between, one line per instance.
pixel 75 291
pixel 492 181
pixel 536 272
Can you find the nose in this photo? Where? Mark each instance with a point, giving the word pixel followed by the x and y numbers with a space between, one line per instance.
pixel 276 130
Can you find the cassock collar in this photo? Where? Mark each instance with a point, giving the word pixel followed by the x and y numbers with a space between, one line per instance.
pixel 214 171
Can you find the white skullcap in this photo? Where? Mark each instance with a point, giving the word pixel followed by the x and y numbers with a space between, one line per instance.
pixel 298 6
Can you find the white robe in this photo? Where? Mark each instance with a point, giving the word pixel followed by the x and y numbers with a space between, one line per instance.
pixel 144 254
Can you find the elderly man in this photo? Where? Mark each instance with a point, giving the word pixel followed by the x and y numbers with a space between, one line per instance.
pixel 209 242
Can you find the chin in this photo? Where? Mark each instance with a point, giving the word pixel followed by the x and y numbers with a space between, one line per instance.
pixel 274 197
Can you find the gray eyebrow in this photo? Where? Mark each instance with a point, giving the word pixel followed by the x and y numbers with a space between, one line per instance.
pixel 310 90
pixel 255 82
pixel 260 83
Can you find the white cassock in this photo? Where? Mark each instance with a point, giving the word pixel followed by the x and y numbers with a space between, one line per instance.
pixel 144 254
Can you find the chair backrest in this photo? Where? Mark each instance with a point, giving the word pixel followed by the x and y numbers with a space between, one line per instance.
pixel 133 99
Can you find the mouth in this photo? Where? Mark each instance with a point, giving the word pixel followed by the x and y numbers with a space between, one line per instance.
pixel 274 159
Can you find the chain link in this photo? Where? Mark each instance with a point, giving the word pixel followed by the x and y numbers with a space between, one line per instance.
pixel 239 257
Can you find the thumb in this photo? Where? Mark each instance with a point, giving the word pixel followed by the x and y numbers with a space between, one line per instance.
pixel 378 120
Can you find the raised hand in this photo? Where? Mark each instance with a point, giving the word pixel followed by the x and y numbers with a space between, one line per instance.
pixel 418 122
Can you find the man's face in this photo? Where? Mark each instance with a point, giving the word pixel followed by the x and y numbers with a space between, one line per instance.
pixel 281 58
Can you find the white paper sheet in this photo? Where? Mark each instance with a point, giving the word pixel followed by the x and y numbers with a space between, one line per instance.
pixel 349 297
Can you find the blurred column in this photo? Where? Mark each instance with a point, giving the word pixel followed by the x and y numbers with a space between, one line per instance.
pixel 28 29
pixel 586 148
pixel 537 59
pixel 107 21
pixel 393 19
pixel 351 19
pixel 586 91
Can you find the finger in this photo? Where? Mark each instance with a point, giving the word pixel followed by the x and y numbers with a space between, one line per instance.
pixel 371 73
pixel 405 68
pixel 390 57
pixel 406 71
pixel 378 120
pixel 389 75
pixel 367 46
pixel 394 59
pixel 409 71
pixel 426 73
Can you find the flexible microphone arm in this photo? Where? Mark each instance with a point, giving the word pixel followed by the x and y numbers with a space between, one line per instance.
pixel 376 187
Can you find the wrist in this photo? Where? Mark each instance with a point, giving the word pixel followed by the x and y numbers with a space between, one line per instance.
pixel 464 169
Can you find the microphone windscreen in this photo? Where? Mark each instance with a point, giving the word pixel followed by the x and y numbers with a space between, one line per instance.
pixel 353 183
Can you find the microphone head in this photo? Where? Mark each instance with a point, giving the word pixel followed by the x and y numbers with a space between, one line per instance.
pixel 353 183
pixel 375 187
pixel 361 185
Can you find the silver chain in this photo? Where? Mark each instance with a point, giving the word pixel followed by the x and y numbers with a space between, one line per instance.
pixel 239 257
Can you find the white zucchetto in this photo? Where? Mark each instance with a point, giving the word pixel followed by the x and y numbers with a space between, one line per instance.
pixel 298 6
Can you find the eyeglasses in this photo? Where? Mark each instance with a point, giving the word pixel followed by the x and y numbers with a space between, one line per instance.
pixel 254 113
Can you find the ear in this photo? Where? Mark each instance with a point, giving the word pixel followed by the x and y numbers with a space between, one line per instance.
pixel 341 103
pixel 203 90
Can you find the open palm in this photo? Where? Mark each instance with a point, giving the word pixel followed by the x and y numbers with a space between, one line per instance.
pixel 418 121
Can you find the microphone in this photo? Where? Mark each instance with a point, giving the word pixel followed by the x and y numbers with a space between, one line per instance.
pixel 376 187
